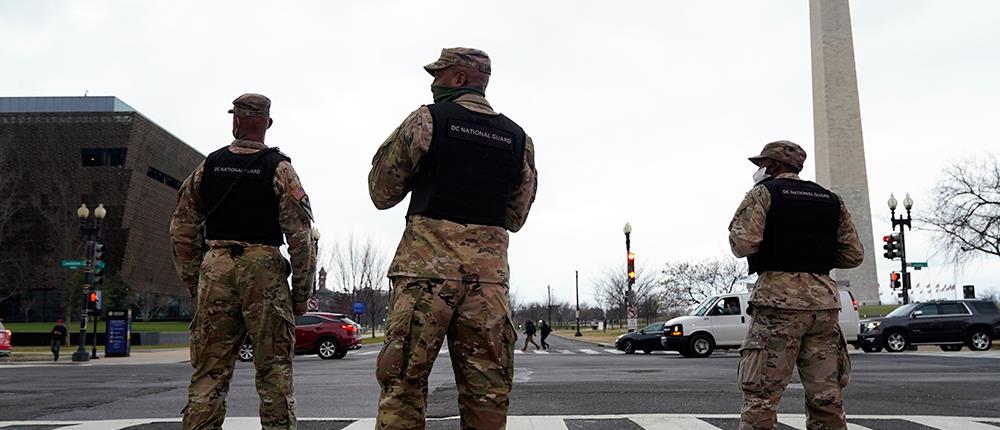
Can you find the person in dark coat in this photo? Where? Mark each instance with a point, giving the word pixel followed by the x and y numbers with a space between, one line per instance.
pixel 529 335
pixel 545 330
pixel 59 333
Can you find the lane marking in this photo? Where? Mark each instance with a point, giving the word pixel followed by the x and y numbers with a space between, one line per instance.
pixel 589 351
pixel 614 351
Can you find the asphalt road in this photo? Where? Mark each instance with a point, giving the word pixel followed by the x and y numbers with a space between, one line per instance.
pixel 574 378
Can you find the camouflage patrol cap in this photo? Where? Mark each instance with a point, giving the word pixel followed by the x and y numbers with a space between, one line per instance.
pixel 783 151
pixel 467 57
pixel 251 104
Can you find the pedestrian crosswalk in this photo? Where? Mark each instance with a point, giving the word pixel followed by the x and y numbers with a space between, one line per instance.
pixel 578 422
pixel 551 351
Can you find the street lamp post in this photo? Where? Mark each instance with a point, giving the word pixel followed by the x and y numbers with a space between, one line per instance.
pixel 578 334
pixel 628 252
pixel 902 222
pixel 90 232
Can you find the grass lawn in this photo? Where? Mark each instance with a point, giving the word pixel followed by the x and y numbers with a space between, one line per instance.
pixel 377 340
pixel 606 337
pixel 74 326
pixel 875 311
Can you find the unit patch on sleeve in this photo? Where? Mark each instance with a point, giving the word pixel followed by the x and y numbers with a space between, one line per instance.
pixel 481 134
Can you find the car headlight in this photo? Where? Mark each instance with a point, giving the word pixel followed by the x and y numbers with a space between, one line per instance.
pixel 620 337
pixel 676 330
pixel 873 325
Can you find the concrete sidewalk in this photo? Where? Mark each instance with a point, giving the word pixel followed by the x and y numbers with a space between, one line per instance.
pixel 149 356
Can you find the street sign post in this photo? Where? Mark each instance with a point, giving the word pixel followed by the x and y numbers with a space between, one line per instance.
pixel 313 304
pixel 73 264
pixel 79 264
pixel 917 265
pixel 359 307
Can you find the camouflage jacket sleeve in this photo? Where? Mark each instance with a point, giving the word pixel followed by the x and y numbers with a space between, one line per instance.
pixel 850 253
pixel 520 202
pixel 746 230
pixel 295 217
pixel 398 158
pixel 186 231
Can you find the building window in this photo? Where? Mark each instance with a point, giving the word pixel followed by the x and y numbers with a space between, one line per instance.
pixel 93 157
pixel 164 178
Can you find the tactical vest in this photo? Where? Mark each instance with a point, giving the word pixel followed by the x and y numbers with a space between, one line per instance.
pixel 249 213
pixel 471 169
pixel 800 234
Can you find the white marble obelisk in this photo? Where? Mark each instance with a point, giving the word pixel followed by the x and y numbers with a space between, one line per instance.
pixel 840 150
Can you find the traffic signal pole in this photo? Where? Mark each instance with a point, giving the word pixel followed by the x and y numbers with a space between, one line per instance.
pixel 903 223
pixel 81 353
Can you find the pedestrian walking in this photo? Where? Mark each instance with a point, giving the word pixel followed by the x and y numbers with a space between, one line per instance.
pixel 471 177
pixel 545 329
pixel 234 211
pixel 529 335
pixel 59 334
pixel 793 232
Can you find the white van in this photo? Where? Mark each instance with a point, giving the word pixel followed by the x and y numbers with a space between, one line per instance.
pixel 721 322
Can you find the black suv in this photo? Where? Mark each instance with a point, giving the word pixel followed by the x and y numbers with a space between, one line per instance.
pixel 947 323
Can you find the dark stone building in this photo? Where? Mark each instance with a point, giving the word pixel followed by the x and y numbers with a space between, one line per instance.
pixel 59 152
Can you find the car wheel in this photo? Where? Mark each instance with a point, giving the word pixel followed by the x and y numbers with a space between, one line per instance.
pixel 628 346
pixel 870 349
pixel 895 341
pixel 701 346
pixel 979 340
pixel 246 352
pixel 951 348
pixel 327 349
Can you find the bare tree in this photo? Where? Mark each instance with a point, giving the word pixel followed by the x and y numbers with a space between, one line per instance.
pixel 694 282
pixel 11 273
pixel 148 304
pixel 610 290
pixel 966 213
pixel 516 301
pixel 359 268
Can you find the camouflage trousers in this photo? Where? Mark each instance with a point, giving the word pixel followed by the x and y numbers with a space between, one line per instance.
pixel 778 341
pixel 476 319
pixel 242 293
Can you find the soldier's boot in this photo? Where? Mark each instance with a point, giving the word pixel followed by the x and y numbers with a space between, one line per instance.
pixel 824 368
pixel 419 317
pixel 482 342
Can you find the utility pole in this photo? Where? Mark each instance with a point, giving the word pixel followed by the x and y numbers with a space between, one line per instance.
pixel 578 334
pixel 550 304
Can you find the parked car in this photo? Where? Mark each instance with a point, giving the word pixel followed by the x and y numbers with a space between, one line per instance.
pixel 646 340
pixel 722 322
pixel 950 324
pixel 4 342
pixel 325 334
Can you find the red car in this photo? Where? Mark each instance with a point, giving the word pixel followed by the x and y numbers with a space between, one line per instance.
pixel 322 333
pixel 4 342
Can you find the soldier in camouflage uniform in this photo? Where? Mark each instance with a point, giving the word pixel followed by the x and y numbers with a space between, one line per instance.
pixel 471 175
pixel 793 232
pixel 232 214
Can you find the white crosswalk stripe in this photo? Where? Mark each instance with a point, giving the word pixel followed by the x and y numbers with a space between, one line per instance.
pixel 614 351
pixel 589 351
pixel 644 421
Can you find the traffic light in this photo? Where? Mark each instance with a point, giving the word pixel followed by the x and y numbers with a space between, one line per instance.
pixel 91 302
pixel 98 269
pixel 894 280
pixel 893 248
pixel 631 268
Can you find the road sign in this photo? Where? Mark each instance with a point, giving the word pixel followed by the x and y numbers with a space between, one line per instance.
pixel 359 307
pixel 313 304
pixel 73 264
pixel 632 312
pixel 633 324
pixel 917 265
pixel 79 264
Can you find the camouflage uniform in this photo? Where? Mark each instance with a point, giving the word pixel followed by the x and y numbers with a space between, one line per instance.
pixel 795 317
pixel 448 279
pixel 241 292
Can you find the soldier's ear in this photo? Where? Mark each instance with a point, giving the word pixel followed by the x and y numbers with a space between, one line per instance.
pixel 460 79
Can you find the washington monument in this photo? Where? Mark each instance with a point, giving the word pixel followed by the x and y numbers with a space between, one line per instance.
pixel 840 150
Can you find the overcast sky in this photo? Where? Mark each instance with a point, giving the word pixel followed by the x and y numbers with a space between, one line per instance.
pixel 642 112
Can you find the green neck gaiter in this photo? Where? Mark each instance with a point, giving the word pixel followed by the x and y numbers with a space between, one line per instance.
pixel 449 94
